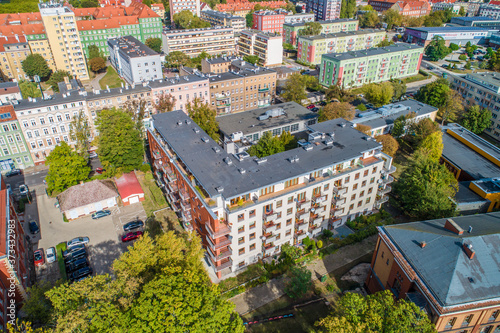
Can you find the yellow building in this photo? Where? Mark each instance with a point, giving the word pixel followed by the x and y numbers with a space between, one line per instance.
pixel 13 50
pixel 64 40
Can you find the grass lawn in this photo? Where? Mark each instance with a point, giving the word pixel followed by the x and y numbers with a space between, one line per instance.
pixel 111 79
pixel 418 77
pixel 153 196
pixel 60 260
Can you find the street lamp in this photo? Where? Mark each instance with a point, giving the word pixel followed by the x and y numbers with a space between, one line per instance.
pixel 37 80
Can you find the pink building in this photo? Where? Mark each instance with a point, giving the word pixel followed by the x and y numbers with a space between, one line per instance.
pixel 184 89
pixel 268 21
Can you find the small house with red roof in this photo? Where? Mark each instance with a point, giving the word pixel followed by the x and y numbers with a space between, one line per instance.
pixel 129 188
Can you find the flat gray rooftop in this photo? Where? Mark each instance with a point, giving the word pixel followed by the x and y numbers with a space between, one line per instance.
pixel 175 81
pixel 466 195
pixel 247 121
pixel 398 47
pixel 212 170
pixel 131 47
pixel 443 265
pixel 301 24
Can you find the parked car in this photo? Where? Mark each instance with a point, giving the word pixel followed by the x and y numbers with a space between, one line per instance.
pixel 39 259
pixel 82 272
pixel 34 229
pixel 322 103
pixel 75 256
pixel 101 213
pixel 77 264
pixel 131 236
pixel 73 249
pixel 315 109
pixel 133 225
pixel 99 170
pixel 76 241
pixel 369 105
pixel 13 172
pixel 23 189
pixel 444 66
pixel 51 254
pixel 430 67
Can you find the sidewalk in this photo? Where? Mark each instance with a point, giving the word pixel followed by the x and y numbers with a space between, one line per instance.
pixel 274 289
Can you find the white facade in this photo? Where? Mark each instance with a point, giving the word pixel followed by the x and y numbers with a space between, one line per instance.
pixel 489 11
pixel 177 6
pixel 88 209
pixel 268 47
pixel 299 18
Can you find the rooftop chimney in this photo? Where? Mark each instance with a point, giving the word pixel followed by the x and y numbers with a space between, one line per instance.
pixel 453 227
pixel 423 244
pixel 468 250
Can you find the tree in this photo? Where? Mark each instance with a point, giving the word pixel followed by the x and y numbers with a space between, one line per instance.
pixel 120 145
pixel 433 145
pixel 204 116
pixel 454 47
pixel 392 18
pixel 165 103
pixel 81 133
pixel 461 12
pixel 290 7
pixel 37 307
pixel 389 145
pixel 452 107
pixel 94 52
pixel 364 129
pixel 249 19
pixel 176 59
pixel 158 285
pixel 401 125
pixel 337 110
pixel 426 187
pixel 300 282
pixel 462 57
pixel 154 44
pixel 379 93
pixel 137 109
pixel 253 59
pixel 186 20
pixel 434 93
pixel 369 19
pixel 290 252
pixel 294 89
pixel 66 168
pixel 311 29
pixel 96 64
pixel 270 145
pixel 379 312
pixel 476 119
pixel 468 65
pixel 29 89
pixel 385 42
pixel 35 64
pixel 56 77
pixel 340 93
pixel 419 130
pixel 437 49
pixel 399 87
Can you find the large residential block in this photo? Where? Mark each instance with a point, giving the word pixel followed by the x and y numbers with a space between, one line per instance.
pixel 299 18
pixel 267 46
pixel 480 22
pixel 482 89
pixel 458 35
pixel 215 40
pixel 216 18
pixel 246 208
pixel 177 6
pixel 268 21
pixel 353 69
pixel 243 7
pixel 311 48
pixel 489 10
pixel 133 60
pixel 447 267
pixel 14 152
pixel 13 51
pixel 406 8
pixel 291 30
pixel 324 9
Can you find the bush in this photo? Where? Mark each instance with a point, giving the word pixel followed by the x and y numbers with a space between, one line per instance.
pixel 65 219
pixel 327 234
pixel 331 288
pixel 361 107
pixel 320 244
pixel 145 168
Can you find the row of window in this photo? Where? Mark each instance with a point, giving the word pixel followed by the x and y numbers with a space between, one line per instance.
pixel 40 143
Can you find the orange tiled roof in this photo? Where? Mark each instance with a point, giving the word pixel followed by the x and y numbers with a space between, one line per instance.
pixel 27 29
pixel 159 5
pixel 97 24
pixel 10 40
pixel 21 18
pixel 141 10
pixel 494 2
pixel 111 2
pixel 79 12
pixel 245 5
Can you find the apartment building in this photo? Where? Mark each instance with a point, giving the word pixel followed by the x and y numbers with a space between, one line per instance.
pixel 268 21
pixel 183 89
pixel 133 60
pixel 299 18
pixel 291 30
pixel 267 46
pixel 458 35
pixel 453 7
pixel 353 69
pixel 241 130
pixel 14 152
pixel 15 254
pixel 412 8
pixel 8 92
pixel 159 10
pixel 13 50
pixel 241 220
pixel 488 10
pixel 217 65
pixel 324 9
pixel 482 89
pixel 216 18
pixel 177 6
pixel 447 267
pixel 244 88
pixel 60 25
pixel 311 48
pixel 244 7
pixel 480 22
pixel 382 5
pixel 214 41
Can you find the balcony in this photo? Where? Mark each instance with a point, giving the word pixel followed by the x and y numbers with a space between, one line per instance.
pixel 341 190
pixel 388 179
pixel 317 221
pixel 172 187
pixel 319 198
pixel 185 205
pixel 187 226
pixel 338 212
pixel 340 201
pixel 304 204
pixel 222 255
pixel 171 176
pixel 380 201
pixel 186 216
pixel 223 265
pixel 302 215
pixel 392 169
pixel 301 226
pixel 222 241
pixel 314 230
pixel 269 238
pixel 387 189
pixel 223 230
pixel 270 217
pixel 173 197
pixel 299 236
pixel 184 195
pixel 264 89
pixel 269 227
pixel 268 249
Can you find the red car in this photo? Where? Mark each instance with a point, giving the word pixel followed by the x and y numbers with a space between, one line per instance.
pixel 99 170
pixel 131 236
pixel 311 106
pixel 39 258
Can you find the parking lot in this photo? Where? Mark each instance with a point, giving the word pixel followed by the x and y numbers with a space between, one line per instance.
pixel 105 243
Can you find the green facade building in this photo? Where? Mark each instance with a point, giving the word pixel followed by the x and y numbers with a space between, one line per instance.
pixel 14 152
pixel 291 30
pixel 356 68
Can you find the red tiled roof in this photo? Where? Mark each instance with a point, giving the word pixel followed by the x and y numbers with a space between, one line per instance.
pixel 27 29
pixel 111 2
pixel 22 18
pixel 159 5
pixel 141 10
pixel 128 185
pixel 245 5
pixel 10 40
pixel 97 24
pixel 79 12
pixel 493 2
pixel 8 108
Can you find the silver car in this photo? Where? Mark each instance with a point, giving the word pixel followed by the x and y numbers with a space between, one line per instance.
pixel 77 241
pixel 51 254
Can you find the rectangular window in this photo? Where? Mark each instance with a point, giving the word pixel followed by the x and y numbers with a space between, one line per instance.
pixel 372 180
pixel 241 229
pixel 252 247
pixel 241 251
pixel 467 320
pixel 267 190
pixel 355 187
pixel 279 203
pixel 450 323
pixel 241 217
pixel 252 213
pixel 288 222
pixel 252 236
pixel 365 173
pixel 356 177
pixel 252 225
pixel 290 200
pixel 289 211
pixel 241 240
pixel 291 182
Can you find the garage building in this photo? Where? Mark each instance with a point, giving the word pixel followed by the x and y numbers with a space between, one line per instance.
pixel 129 188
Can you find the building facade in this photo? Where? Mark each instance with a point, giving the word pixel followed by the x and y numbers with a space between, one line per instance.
pixel 216 18
pixel 291 30
pixel 268 21
pixel 159 9
pixel 14 152
pixel 324 9
pixel 382 5
pixel 214 41
pixel 267 46
pixel 177 6
pixel 133 60
pixel 299 18
pixel 492 11
pixel 480 22
pixel 353 69
pixel 244 7
pixel 458 35
pixel 453 7
pixel 13 51
pixel 447 267
pixel 412 8
pixel 243 221
pixel 9 91
pixel 311 48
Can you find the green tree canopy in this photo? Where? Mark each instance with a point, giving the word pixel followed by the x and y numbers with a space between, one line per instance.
pixel 249 19
pixel 337 110
pixel 389 145
pixel 253 59
pixel 120 145
pixel 434 93
pixel 392 18
pixel 311 29
pixel 476 119
pixel 399 88
pixel 379 93
pixel 66 168
pixel 419 130
pixel 159 285
pixel 385 42
pixel 35 64
pixel 461 12
pixel 270 145
pixel 433 145
pixel 379 312
pixel 294 89
pixel 29 89
pixel 154 43
pixel 56 77
pixel 94 52
pixel 96 64
pixel 300 282
pixel 454 47
pixel 340 93
pixel 81 133
pixel 165 103
pixel 176 59
pixel 401 125
pixel 437 50
pixel 204 116
pixel 452 108
pixel 186 20
pixel 369 19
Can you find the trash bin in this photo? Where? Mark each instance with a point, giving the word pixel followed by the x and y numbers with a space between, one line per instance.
pixel 323 278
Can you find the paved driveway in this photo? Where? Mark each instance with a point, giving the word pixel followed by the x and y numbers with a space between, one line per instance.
pixel 105 233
